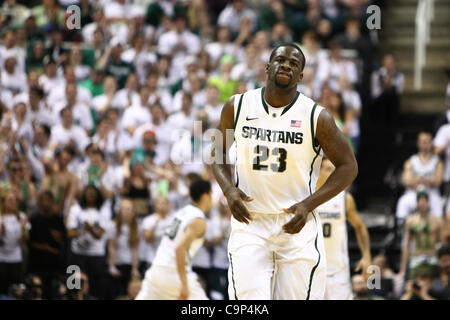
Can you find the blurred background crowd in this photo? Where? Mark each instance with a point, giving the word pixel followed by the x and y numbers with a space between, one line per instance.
pixel 98 145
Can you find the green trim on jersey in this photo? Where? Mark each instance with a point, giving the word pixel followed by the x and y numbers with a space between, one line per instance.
pixel 315 143
pixel 285 109
pixel 238 111
pixel 318 260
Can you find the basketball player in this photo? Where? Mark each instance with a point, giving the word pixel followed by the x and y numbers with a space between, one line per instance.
pixel 171 277
pixel 276 248
pixel 334 213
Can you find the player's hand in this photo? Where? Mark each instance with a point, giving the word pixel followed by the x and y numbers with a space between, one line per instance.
pixel 184 292
pixel 113 271
pixel 298 221
pixel 234 198
pixel 362 266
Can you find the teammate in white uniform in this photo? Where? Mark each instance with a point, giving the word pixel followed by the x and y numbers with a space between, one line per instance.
pixel 334 213
pixel 171 277
pixel 276 246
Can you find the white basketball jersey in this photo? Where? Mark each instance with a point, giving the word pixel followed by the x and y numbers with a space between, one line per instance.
pixel 334 223
pixel 424 169
pixel 165 255
pixel 277 160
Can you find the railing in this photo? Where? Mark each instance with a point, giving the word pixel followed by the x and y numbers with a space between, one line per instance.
pixel 424 16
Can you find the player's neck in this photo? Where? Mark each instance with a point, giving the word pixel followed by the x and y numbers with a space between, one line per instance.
pixel 200 205
pixel 279 97
pixel 425 155
pixel 424 215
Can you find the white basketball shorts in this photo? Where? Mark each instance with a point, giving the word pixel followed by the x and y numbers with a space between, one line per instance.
pixel 163 283
pixel 267 263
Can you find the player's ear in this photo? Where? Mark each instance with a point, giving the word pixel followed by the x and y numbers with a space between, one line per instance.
pixel 300 76
pixel 267 68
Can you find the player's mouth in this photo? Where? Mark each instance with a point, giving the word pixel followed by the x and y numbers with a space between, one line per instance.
pixel 284 74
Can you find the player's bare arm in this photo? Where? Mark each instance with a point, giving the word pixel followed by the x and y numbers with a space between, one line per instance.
pixel 408 179
pixel 195 229
pixel 338 150
pixel 438 176
pixel 362 234
pixel 222 171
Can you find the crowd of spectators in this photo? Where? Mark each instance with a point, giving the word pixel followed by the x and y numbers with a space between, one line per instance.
pixel 97 140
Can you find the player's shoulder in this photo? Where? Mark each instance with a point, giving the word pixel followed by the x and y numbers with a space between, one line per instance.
pixel 190 211
pixel 249 93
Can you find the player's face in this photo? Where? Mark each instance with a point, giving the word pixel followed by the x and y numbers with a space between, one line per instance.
pixel 444 263
pixel 208 199
pixel 127 211
pixel 422 204
pixel 285 68
pixel 424 142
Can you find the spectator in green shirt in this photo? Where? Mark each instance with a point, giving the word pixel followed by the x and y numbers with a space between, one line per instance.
pixel 223 82
pixel 95 83
pixel 49 12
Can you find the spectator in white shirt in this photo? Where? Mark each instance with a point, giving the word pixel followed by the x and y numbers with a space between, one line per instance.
pixel 137 114
pixel 123 246
pixel 387 87
pixel 222 46
pixel 14 231
pixel 12 78
pixel 213 107
pixel 330 70
pixel 246 70
pixel 68 134
pixel 81 112
pixel 9 48
pixel 58 93
pixel 193 85
pixel 192 147
pixel 140 56
pixel 82 71
pixel 182 120
pixel 99 21
pixel 87 228
pixel 119 142
pixel 178 44
pixel 387 78
pixel 50 78
pixel 159 95
pixel 153 228
pixel 129 95
pixel 233 13
pixel 163 134
pixel 20 124
pixel 103 102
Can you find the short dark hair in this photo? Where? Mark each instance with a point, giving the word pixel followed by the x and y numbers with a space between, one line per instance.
pixel 47 129
pixel 289 44
pixel 99 152
pixel 198 188
pixel 46 193
pixel 443 251
pixel 99 200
